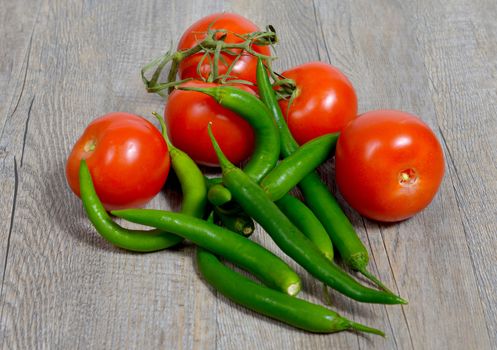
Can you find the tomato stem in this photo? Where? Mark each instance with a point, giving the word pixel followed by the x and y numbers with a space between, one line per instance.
pixel 212 45
pixel 215 62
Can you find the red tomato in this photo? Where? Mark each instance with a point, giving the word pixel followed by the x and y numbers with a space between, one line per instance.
pixel 243 69
pixel 127 157
pixel 325 101
pixel 389 165
pixel 187 115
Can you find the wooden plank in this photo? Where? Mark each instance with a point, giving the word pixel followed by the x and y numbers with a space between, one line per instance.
pixel 17 27
pixel 64 286
pixel 428 256
pixel 337 46
pixel 460 54
pixel 8 188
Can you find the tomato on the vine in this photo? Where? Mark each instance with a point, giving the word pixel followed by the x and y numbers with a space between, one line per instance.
pixel 325 101
pixel 187 115
pixel 127 156
pixel 389 165
pixel 244 68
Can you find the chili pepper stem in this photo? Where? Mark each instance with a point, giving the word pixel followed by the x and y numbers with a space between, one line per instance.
pixel 163 130
pixel 247 231
pixel 173 151
pixel 362 328
pixel 374 279
pixel 208 91
pixel 327 296
pixel 293 289
pixel 226 165
pixel 216 94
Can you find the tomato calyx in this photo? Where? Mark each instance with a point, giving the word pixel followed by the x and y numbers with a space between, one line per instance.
pixel 211 46
pixel 90 146
pixel 285 88
pixel 408 177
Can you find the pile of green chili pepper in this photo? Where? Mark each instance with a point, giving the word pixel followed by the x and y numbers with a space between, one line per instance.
pixel 218 215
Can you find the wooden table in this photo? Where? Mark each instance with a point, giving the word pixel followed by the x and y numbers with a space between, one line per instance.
pixel 63 63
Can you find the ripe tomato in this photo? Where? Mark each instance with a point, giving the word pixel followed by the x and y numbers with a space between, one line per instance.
pixel 389 165
pixel 127 157
pixel 243 69
pixel 325 101
pixel 187 115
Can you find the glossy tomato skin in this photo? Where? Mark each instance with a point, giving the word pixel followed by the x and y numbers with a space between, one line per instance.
pixel 326 101
pixel 389 165
pixel 244 68
pixel 127 157
pixel 187 115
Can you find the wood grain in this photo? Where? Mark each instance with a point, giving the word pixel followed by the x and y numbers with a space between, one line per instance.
pixel 18 27
pixel 65 63
pixel 394 76
pixel 459 55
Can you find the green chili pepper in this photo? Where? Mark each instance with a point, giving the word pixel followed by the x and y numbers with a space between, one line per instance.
pixel 191 180
pixel 296 312
pixel 303 218
pixel 255 202
pixel 312 226
pixel 316 193
pixel 267 139
pixel 134 240
pixel 211 181
pixel 288 173
pixel 237 249
pixel 217 194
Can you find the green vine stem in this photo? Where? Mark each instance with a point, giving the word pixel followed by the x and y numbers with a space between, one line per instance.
pixel 212 45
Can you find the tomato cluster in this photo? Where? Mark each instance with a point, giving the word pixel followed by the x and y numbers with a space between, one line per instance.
pixel 234 25
pixel 389 164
